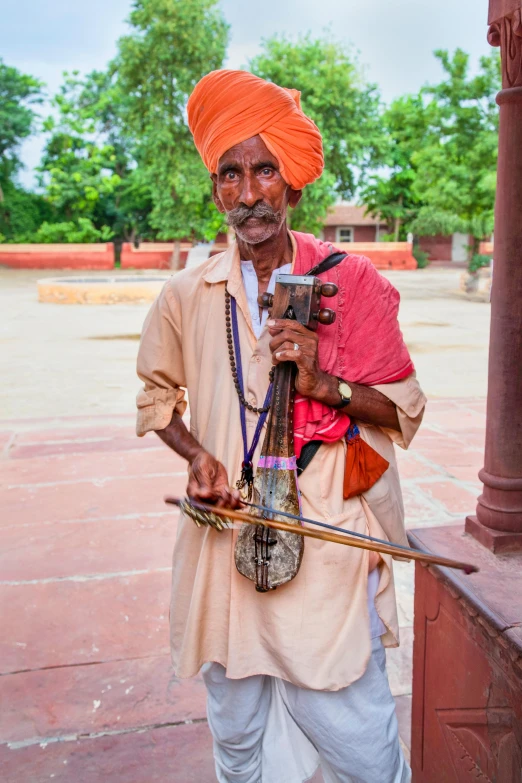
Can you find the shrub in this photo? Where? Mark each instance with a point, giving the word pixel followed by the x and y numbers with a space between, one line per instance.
pixel 82 232
pixel 420 257
pixel 478 261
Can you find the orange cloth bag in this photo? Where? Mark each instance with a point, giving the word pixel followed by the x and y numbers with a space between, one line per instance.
pixel 364 466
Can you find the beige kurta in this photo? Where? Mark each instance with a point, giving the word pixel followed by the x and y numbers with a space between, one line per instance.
pixel 313 631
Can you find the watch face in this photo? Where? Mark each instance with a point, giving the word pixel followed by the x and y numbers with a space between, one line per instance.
pixel 344 390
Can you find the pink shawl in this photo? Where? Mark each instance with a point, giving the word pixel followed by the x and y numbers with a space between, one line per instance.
pixel 364 345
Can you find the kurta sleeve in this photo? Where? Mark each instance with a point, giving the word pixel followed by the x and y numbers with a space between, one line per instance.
pixel 160 365
pixel 410 401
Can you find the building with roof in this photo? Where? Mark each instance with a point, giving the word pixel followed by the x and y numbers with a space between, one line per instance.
pixel 350 223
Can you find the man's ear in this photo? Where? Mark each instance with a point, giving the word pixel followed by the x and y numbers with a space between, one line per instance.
pixel 217 200
pixel 294 197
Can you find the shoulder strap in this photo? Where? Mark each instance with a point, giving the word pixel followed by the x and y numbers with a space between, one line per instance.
pixel 308 452
pixel 327 263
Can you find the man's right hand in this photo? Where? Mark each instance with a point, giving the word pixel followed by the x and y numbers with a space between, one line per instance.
pixel 208 482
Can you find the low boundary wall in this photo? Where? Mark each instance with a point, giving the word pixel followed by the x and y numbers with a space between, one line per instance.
pixel 157 255
pixel 151 255
pixel 63 256
pixel 383 255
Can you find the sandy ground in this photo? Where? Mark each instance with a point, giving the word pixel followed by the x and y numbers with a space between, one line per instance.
pixel 69 360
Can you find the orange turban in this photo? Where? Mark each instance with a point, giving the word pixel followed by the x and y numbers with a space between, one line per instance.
pixel 228 107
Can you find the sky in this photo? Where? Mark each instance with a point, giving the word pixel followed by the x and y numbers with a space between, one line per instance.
pixel 395 38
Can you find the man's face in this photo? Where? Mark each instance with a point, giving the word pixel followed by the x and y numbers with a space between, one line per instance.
pixel 249 189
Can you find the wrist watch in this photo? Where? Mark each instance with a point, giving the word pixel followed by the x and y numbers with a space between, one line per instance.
pixel 345 393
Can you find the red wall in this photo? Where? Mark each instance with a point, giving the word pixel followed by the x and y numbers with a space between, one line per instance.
pixel 150 255
pixel 383 255
pixel 329 233
pixel 360 233
pixel 57 256
pixel 437 247
pixel 364 234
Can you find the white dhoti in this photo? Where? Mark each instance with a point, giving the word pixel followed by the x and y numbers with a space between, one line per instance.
pixel 267 730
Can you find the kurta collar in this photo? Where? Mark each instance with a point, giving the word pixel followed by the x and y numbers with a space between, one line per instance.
pixel 227 263
pixel 227 268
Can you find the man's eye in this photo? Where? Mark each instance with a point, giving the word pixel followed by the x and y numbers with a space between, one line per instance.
pixel 230 175
pixel 266 172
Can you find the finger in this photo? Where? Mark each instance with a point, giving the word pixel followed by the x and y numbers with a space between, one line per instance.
pixel 202 492
pixel 287 336
pixel 287 356
pixel 228 498
pixel 278 324
pixel 286 347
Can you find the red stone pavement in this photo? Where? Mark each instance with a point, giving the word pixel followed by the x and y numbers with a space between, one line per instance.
pixel 86 687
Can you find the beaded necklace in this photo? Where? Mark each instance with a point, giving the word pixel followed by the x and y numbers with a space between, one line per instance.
pixel 234 356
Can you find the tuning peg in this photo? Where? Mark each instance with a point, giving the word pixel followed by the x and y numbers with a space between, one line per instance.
pixel 325 316
pixel 328 289
pixel 265 300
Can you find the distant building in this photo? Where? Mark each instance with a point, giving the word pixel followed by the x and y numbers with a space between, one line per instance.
pixel 349 223
pixel 446 248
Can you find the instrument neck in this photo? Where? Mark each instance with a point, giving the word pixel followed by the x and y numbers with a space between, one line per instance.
pixel 279 438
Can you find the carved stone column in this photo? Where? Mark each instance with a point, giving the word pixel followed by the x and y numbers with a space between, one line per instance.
pixel 498 521
pixel 467 651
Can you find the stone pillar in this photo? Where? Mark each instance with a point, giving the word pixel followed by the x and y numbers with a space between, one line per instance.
pixel 498 521
pixel 467 651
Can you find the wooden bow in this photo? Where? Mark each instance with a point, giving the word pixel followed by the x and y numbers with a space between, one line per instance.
pixel 218 518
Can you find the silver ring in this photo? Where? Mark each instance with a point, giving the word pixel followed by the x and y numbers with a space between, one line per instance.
pixel 296 347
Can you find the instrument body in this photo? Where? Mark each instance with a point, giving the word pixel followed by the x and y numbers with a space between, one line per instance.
pixel 266 556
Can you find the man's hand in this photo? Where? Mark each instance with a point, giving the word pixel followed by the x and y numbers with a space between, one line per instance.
pixel 367 405
pixel 208 482
pixel 286 334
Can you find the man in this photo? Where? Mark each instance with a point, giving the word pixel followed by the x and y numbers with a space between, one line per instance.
pixel 295 676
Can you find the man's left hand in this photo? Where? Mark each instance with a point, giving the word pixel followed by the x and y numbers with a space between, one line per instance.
pixel 293 342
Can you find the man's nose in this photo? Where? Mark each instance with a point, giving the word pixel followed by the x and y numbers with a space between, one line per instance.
pixel 249 191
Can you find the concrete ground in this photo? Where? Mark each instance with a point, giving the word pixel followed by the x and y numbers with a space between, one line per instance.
pixel 68 360
pixel 86 687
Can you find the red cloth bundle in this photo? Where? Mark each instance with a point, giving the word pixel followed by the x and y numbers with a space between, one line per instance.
pixel 364 345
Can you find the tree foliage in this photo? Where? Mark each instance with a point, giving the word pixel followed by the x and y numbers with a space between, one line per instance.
pixel 173 43
pixel 22 213
pixel 78 167
pixel 440 173
pixel 19 93
pixel 456 166
pixel 389 194
pixel 335 94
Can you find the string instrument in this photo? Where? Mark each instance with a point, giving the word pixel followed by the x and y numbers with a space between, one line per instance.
pixel 267 556
pixel 220 518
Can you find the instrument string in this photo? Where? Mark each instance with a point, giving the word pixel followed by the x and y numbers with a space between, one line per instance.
pixel 330 527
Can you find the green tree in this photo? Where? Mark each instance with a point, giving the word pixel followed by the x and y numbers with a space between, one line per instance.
pixel 456 166
pixel 389 194
pixel 173 43
pixel 20 212
pixel 19 93
pixel 127 208
pixel 78 167
pixel 345 107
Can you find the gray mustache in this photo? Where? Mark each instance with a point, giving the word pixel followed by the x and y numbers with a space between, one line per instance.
pixel 260 211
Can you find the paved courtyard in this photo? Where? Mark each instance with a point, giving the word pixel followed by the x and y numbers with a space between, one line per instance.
pixel 86 687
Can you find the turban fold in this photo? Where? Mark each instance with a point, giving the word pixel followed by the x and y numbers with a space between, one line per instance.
pixel 228 107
